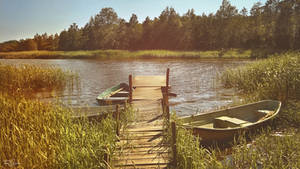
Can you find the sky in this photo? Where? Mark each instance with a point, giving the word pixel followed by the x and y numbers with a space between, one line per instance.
pixel 21 19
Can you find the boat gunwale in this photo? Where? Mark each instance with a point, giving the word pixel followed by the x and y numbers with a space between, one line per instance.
pixel 235 128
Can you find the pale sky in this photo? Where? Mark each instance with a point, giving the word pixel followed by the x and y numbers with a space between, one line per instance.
pixel 21 19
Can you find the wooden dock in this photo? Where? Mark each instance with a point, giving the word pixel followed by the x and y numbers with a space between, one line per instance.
pixel 142 144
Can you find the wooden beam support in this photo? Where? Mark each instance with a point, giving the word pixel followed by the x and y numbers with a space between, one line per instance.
pixel 117 120
pixel 174 150
pixel 167 79
pixel 130 88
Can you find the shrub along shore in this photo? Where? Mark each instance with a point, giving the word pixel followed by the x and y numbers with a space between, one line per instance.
pixel 125 54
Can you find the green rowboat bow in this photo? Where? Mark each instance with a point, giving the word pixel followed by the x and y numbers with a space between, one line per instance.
pixel 113 95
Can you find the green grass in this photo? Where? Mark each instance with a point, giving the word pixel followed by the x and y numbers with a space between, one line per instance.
pixel 40 135
pixel 275 78
pixel 190 154
pixel 125 54
pixel 268 151
pixel 44 135
pixel 30 78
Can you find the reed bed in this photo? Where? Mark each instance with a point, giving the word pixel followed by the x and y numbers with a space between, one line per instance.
pixel 275 78
pixel 125 54
pixel 190 154
pixel 44 135
pixel 39 135
pixel 268 150
pixel 30 78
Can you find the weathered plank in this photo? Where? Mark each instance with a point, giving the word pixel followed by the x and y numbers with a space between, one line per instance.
pixel 142 162
pixel 147 93
pixel 149 81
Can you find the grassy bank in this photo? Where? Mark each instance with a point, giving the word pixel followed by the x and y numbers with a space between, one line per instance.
pixel 276 147
pixel 125 54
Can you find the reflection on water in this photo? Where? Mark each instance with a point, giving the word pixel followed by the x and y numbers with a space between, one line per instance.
pixel 194 81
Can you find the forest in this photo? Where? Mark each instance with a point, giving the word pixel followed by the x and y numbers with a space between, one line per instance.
pixel 274 25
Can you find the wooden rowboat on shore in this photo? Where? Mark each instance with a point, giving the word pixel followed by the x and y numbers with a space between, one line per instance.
pixel 221 126
pixel 117 94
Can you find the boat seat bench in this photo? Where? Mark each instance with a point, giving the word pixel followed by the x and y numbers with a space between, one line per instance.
pixel 121 94
pixel 225 122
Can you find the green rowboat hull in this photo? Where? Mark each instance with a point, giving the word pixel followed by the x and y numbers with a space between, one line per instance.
pixel 223 125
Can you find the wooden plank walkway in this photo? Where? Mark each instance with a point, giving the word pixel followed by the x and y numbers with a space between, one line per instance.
pixel 142 145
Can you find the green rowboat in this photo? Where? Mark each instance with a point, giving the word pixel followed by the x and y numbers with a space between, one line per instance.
pixel 114 95
pixel 222 125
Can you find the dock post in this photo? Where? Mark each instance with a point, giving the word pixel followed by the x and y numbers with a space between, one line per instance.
pixel 166 105
pixel 117 120
pixel 163 105
pixel 174 150
pixel 167 79
pixel 130 88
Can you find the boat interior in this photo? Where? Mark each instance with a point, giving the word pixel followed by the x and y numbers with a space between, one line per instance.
pixel 236 117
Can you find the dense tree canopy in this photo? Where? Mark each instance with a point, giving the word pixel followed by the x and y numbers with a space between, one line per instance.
pixel 274 25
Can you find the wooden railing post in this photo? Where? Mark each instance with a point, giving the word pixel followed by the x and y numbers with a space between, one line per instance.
pixel 166 104
pixel 130 88
pixel 117 120
pixel 163 105
pixel 167 79
pixel 174 150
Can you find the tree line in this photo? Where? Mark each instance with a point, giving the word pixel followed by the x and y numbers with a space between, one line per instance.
pixel 274 25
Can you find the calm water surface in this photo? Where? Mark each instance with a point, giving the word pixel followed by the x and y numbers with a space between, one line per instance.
pixel 194 81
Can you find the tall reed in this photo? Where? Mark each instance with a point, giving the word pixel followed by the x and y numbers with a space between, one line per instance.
pixel 190 154
pixel 29 78
pixel 41 135
pixel 275 78
pixel 268 150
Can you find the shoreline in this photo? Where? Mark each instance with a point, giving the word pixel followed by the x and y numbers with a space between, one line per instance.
pixel 126 54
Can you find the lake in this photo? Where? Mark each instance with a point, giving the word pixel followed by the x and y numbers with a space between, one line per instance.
pixel 194 81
